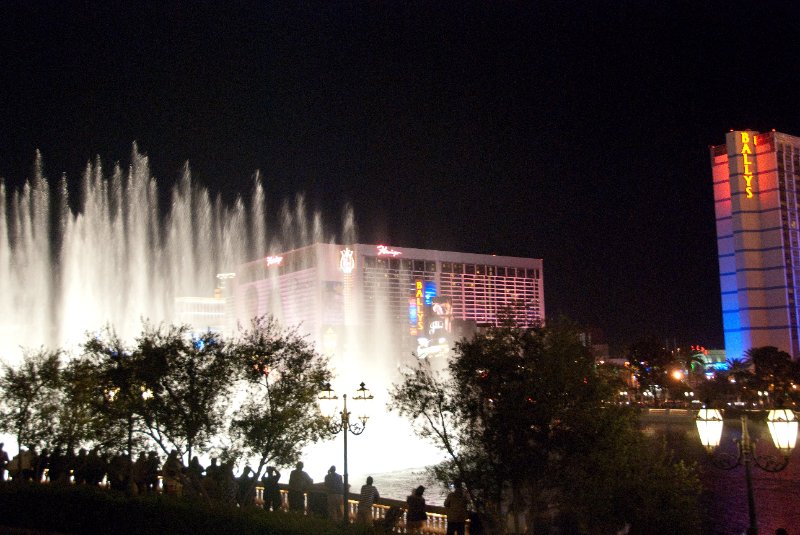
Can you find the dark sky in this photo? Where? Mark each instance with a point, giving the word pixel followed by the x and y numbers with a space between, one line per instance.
pixel 576 132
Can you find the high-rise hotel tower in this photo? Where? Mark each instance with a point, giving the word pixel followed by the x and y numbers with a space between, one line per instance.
pixel 756 189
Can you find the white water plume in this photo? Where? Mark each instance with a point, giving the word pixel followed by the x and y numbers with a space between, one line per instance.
pixel 116 257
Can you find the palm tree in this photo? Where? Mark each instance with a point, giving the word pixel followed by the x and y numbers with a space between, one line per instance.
pixel 689 360
pixel 773 368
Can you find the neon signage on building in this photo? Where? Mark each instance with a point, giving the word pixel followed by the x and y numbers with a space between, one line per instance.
pixel 420 299
pixel 274 260
pixel 385 251
pixel 747 153
pixel 347 262
pixel 412 316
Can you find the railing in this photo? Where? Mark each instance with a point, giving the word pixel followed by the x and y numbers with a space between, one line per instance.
pixel 436 523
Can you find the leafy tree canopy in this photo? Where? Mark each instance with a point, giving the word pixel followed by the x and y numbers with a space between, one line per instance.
pixel 280 415
pixel 524 417
pixel 31 397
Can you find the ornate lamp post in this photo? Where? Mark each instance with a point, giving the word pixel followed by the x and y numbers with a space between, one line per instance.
pixel 783 428
pixel 342 424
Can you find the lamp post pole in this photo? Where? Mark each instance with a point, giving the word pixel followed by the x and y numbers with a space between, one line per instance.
pixel 782 425
pixel 345 426
pixel 345 477
pixel 746 448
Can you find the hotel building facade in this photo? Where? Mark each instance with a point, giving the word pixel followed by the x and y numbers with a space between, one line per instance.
pixel 417 300
pixel 756 187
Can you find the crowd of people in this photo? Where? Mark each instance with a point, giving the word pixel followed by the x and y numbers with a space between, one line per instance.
pixel 147 474
pixel 144 474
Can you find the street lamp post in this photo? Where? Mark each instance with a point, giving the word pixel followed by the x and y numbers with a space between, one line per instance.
pixel 783 428
pixel 345 426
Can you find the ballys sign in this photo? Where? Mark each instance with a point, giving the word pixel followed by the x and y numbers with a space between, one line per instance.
pixel 748 161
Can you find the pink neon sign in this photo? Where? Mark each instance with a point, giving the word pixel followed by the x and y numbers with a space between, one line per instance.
pixel 383 250
pixel 274 260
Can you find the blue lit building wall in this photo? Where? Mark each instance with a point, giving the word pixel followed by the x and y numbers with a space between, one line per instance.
pixel 756 187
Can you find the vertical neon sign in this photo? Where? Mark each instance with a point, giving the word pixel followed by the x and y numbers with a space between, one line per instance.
pixel 748 164
pixel 420 306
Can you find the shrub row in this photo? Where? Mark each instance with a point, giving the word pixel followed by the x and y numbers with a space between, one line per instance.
pixel 90 511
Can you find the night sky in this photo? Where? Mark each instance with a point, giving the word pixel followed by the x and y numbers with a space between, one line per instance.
pixel 576 132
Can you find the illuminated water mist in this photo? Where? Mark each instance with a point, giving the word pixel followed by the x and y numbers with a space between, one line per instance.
pixel 70 264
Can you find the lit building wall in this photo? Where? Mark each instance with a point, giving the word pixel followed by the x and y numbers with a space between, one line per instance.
pixel 327 287
pixel 756 183
pixel 202 313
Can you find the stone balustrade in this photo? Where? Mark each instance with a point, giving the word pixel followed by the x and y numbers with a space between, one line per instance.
pixel 436 523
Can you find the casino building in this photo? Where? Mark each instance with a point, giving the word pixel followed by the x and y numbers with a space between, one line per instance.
pixel 420 300
pixel 756 185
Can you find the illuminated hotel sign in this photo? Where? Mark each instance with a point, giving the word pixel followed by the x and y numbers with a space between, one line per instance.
pixel 419 296
pixel 747 162
pixel 274 260
pixel 385 251
pixel 347 262
pixel 412 316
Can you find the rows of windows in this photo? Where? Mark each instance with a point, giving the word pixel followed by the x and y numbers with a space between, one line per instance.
pixel 408 264
pixel 399 264
pixel 788 159
pixel 485 299
pixel 480 298
pixel 390 289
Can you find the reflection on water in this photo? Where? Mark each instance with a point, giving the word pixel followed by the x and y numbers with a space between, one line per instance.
pixel 398 485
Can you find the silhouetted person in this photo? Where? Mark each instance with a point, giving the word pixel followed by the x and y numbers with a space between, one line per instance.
pixel 272 492
pixel 140 473
pixel 40 465
pixel 95 466
pixel 299 484
pixel 195 469
pixel 227 483
pixel 212 479
pixel 456 507
pixel 172 473
pixel 416 516
pixel 151 471
pixel 334 486
pixel 369 496
pixel 118 472
pixel 244 494
pixel 23 464
pixel 56 466
pixel 194 473
pixel 80 467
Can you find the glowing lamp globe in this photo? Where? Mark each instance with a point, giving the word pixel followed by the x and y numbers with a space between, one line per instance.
pixel 328 401
pixel 782 425
pixel 362 407
pixel 709 425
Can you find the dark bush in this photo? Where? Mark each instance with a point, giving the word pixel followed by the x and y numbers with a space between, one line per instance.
pixel 90 511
